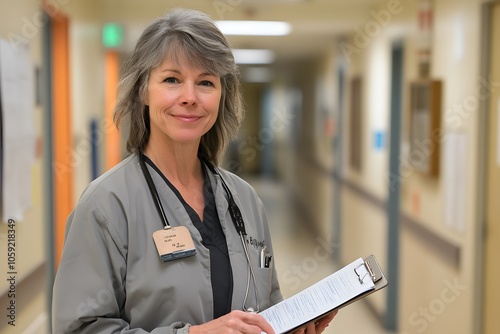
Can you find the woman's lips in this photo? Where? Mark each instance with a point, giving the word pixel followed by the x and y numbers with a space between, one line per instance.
pixel 187 118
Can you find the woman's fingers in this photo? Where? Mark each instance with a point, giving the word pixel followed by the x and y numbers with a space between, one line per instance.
pixel 257 320
pixel 317 326
pixel 253 323
pixel 311 327
pixel 235 322
pixel 321 324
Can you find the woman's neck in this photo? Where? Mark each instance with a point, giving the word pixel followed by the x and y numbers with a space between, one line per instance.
pixel 179 163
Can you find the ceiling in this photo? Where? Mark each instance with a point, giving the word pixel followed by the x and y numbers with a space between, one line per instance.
pixel 315 23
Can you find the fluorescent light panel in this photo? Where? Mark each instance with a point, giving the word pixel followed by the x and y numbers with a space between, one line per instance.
pixel 253 56
pixel 254 28
pixel 258 74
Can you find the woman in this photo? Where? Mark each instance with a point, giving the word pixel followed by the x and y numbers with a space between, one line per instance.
pixel 180 94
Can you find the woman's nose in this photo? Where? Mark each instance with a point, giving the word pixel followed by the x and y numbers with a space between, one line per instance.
pixel 188 96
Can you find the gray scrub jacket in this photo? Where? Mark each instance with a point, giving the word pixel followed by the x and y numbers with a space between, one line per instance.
pixel 111 279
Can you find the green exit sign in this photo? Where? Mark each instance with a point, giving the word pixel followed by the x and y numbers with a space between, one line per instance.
pixel 112 35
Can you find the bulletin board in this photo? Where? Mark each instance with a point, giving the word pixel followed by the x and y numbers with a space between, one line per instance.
pixel 425 121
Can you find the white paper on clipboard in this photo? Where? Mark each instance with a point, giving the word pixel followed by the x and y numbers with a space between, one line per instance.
pixel 352 282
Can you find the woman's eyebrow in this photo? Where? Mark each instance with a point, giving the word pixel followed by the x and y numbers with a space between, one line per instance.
pixel 170 70
pixel 203 74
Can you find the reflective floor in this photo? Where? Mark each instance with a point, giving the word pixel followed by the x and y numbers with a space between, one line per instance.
pixel 298 265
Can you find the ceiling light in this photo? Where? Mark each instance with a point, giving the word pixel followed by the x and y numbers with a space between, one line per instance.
pixel 255 28
pixel 253 56
pixel 258 74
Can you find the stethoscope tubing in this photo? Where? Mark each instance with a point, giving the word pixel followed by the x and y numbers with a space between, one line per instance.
pixel 236 217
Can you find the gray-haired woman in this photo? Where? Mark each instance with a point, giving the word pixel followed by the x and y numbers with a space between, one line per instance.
pixel 160 243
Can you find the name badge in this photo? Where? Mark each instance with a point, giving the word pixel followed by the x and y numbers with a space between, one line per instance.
pixel 174 243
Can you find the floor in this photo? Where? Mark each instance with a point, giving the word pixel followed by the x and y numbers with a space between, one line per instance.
pixel 297 265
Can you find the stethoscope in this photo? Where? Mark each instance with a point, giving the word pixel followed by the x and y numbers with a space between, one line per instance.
pixel 234 211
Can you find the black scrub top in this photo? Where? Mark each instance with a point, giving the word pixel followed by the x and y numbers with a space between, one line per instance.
pixel 214 239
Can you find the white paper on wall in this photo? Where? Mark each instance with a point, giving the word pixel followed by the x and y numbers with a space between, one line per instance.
pixel 454 173
pixel 18 140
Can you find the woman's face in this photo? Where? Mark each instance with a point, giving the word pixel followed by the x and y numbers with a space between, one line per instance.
pixel 183 102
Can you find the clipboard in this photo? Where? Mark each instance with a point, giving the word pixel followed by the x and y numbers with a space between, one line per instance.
pixel 359 272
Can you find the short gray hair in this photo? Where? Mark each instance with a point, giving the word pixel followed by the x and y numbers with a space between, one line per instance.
pixel 180 34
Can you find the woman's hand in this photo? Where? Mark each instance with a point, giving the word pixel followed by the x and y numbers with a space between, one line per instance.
pixel 235 322
pixel 318 326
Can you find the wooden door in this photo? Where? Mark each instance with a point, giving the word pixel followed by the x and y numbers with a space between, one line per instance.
pixel 491 304
pixel 61 127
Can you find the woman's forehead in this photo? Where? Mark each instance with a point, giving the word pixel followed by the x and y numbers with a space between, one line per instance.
pixel 182 58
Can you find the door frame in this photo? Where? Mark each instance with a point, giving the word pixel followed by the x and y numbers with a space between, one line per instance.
pixel 338 153
pixel 483 147
pixel 394 197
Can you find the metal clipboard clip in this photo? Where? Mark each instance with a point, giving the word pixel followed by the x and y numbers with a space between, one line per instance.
pixel 371 270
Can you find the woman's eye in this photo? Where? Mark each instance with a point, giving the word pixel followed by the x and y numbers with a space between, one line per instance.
pixel 170 80
pixel 206 83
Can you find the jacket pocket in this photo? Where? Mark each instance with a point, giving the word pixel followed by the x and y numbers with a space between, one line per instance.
pixel 263 278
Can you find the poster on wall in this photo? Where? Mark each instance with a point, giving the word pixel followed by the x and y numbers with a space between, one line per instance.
pixel 18 130
pixel 455 162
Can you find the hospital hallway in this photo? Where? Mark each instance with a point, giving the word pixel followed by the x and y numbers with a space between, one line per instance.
pixel 371 127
